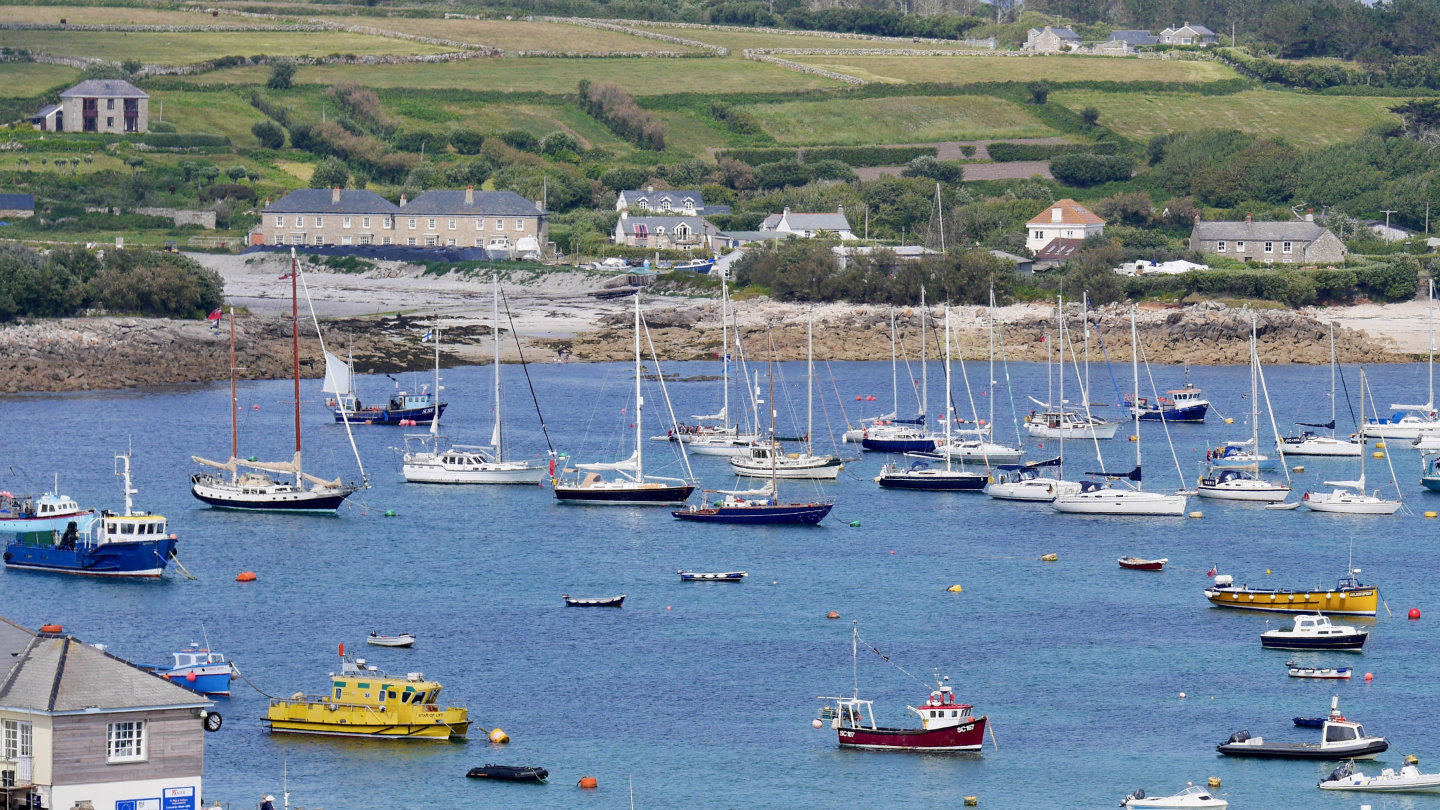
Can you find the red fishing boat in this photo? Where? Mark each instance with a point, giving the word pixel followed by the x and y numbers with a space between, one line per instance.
pixel 945 724
pixel 1138 564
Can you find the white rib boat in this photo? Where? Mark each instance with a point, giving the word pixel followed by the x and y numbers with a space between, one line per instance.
pixel 1187 799
pixel 1408 780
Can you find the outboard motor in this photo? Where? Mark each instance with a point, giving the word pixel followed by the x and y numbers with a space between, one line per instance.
pixel 1136 796
pixel 1239 737
pixel 1341 772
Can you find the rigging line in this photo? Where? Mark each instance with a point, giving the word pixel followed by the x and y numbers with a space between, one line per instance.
pixel 914 386
pixel 1100 336
pixel 523 367
pixel 1349 404
pixel 824 411
pixel 1165 423
pixel 660 376
pixel 887 660
pixel 1066 333
pixel 1274 428
pixel 365 479
pixel 248 681
pixel 1388 462
pixel 1009 385
pixel 970 395
pixel 834 386
pixel 175 558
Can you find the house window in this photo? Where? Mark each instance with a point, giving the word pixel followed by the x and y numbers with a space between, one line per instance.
pixel 1287 260
pixel 450 243
pixel 665 204
pixel 365 222
pixel 432 224
pixel 1285 247
pixel 1239 247
pixel 279 222
pixel 499 224
pixel 367 239
pixel 1269 247
pixel 299 222
pixel 1220 246
pixel 319 240
pixel 387 223
pixel 384 240
pixel 1069 234
pixel 499 242
pixel 297 239
pixel 682 231
pixel 519 224
pixel 431 241
pixel 125 742
pixel 659 230
pixel 345 222
pixel 1039 235
pixel 410 240
pixel 479 242
pixel 412 223
pixel 452 224
pixel 109 103
pixel 345 240
pixel 643 202
pixel 18 740
pixel 319 222
pixel 279 240
pixel 480 224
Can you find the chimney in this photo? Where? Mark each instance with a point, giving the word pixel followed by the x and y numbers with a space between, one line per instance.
pixel 786 211
pixel 1197 217
pixel 840 210
pixel 402 200
pixel 1247 218
pixel 1057 215
pixel 1309 214
pixel 469 195
pixel 334 195
pixel 649 189
pixel 540 206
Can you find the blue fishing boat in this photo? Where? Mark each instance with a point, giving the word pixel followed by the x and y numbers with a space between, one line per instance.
pixel 135 544
pixel 199 670
pixel 1182 405
pixel 757 511
pixel 401 408
pixel 50 512
pixel 697 266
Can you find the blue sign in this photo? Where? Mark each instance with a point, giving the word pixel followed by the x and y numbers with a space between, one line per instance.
pixel 138 804
pixel 180 798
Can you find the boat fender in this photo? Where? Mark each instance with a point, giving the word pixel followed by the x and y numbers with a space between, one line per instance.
pixel 190 676
pixel 331 707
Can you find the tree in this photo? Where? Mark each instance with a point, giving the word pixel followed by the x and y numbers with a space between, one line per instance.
pixel 559 143
pixel 737 175
pixel 467 141
pixel 1093 271
pixel 237 173
pixel 269 134
pixel 520 139
pixel 1039 92
pixel 330 174
pixel 131 66
pixel 209 172
pixel 134 162
pixel 928 166
pixel 623 178
pixel 282 74
pixel 1090 116
pixel 687 173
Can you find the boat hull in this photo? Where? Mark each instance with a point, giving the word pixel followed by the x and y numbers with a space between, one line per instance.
pixel 1039 490
pixel 145 560
pixel 1325 503
pixel 802 514
pixel 385 416
pixel 819 470
pixel 726 448
pixel 953 482
pixel 206 683
pixel 439 732
pixel 1189 413
pixel 1368 750
pixel 898 445
pixel 1349 602
pixel 296 502
pixel 1431 482
pixel 1379 784
pixel 1100 431
pixel 1142 565
pixel 1286 641
pixel 1324 447
pixel 325 719
pixel 1265 463
pixel 964 737
pixel 1121 503
pixel 1262 494
pixel 480 474
pixel 615 496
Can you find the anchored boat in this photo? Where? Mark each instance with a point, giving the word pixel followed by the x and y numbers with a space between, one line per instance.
pixel 1181 405
pixel 365 702
pixel 1408 780
pixel 1348 598
pixel 1315 633
pixel 1191 797
pixel 1339 739
pixel 199 670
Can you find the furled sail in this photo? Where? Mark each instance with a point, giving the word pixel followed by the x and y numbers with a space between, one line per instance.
pixel 714 417
pixel 628 465
pixel 219 465
pixel 337 376
pixel 291 467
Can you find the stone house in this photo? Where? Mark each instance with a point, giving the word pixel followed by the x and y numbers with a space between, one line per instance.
pixel 1188 34
pixel 502 222
pixel 1064 219
pixel 83 728
pixel 97 105
pixel 809 225
pixel 665 232
pixel 668 202
pixel 1134 38
pixel 17 206
pixel 1298 241
pixel 1051 40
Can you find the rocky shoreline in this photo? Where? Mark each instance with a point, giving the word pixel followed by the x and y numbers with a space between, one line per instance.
pixel 83 354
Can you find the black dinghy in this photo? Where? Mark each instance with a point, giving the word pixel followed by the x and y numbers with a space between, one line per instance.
pixel 509 773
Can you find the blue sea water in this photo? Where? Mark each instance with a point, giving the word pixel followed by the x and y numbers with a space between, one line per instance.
pixel 704 693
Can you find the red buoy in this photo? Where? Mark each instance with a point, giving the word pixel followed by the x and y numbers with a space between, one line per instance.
pixel 190 676
pixel 1414 613
pixel 1369 676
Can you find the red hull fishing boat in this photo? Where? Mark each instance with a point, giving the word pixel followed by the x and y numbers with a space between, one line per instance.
pixel 1138 564
pixel 945 724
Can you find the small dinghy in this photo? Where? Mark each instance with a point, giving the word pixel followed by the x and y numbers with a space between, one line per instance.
pixel 1409 779
pixel 1285 506
pixel 1139 564
pixel 1322 673
pixel 611 601
pixel 402 640
pixel 1193 796
pixel 727 576
pixel 509 773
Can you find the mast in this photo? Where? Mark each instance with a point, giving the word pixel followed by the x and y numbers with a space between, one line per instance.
pixel 774 443
pixel 434 417
pixel 639 400
pixel 725 352
pixel 894 369
pixel 924 366
pixel 1362 435
pixel 1085 313
pixel 1135 367
pixel 990 389
pixel 234 418
pixel 1431 305
pixel 1254 393
pixel 810 382
pixel 495 439
pixel 295 337
pixel 1060 320
pixel 949 405
pixel 1332 380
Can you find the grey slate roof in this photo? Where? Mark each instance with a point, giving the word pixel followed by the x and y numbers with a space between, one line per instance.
pixel 21 202
pixel 676 196
pixel 756 236
pixel 1201 30
pixel 1293 230
pixel 813 222
pixel 1135 37
pixel 60 674
pixel 487 203
pixel 105 88
pixel 13 640
pixel 45 111
pixel 1065 33
pixel 697 224
pixel 318 201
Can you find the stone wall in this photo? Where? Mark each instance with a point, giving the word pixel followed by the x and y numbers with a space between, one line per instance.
pixel 205 219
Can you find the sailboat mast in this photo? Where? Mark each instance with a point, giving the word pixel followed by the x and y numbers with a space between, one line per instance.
pixel 1254 390
pixel 774 442
pixel 1085 313
pixel 295 338
pixel 639 400
pixel 810 382
pixel 725 352
pixel 894 368
pixel 1332 379
pixel 495 282
pixel 990 389
pixel 924 366
pixel 234 403
pixel 1135 368
pixel 949 406
pixel 1431 303
pixel 1362 435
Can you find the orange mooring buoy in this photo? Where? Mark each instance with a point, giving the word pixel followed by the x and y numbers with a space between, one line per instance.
pixel 245 576
pixel 588 782
pixel 51 628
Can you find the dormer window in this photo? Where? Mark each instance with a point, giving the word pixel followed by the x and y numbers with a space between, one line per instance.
pixel 665 204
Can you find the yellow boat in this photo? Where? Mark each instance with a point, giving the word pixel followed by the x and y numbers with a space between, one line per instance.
pixel 365 702
pixel 1348 598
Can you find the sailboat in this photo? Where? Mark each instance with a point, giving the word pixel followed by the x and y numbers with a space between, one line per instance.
pixel 768 459
pixel 723 439
pixel 1409 421
pixel 256 489
pixel 1350 497
pixel 920 475
pixel 983 447
pixel 1232 482
pixel 631 487
pixel 762 506
pixel 402 408
pixel 1310 444
pixel 1115 499
pixel 904 435
pixel 1059 422
pixel 468 464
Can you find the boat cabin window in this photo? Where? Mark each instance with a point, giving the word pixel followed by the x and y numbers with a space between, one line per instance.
pixel 392 695
pixel 109 528
pixel 1339 734
pixel 337 692
pixel 127 528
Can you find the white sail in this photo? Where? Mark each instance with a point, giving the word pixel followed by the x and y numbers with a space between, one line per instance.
pixel 227 465
pixel 495 434
pixel 628 465
pixel 714 417
pixel 291 467
pixel 337 376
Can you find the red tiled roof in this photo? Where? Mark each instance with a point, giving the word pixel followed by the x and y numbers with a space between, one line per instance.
pixel 1071 213
pixel 1058 250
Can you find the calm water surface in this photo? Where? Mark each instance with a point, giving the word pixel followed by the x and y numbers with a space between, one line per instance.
pixel 704 693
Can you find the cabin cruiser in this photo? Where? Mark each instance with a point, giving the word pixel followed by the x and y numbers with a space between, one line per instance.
pixel 1193 796
pixel 1239 485
pixel 1025 482
pixel 765 458
pixel 1315 633
pixel 1339 739
pixel 1068 424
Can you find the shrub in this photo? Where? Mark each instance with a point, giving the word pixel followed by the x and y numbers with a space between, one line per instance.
pixel 557 143
pixel 782 174
pixel 69 280
pixel 926 166
pixel 624 178
pixel 1083 170
pixel 1090 116
pixel 232 191
pixel 616 109
pixel 1005 151
pixel 830 170
pixel 411 140
pixel 467 141
pixel 282 75
pixel 1039 92
pixel 520 139
pixel 739 121
pixel 330 174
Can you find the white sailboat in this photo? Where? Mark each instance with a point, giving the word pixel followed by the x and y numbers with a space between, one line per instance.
pixel 1056 421
pixel 905 435
pixel 444 463
pixel 256 490
pixel 1231 482
pixel 631 487
pixel 723 439
pixel 1310 444
pixel 983 448
pixel 769 460
pixel 1351 497
pixel 1409 421
pixel 1116 499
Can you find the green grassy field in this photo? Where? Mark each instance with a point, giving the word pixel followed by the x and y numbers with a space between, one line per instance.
pixel 519 35
pixel 973 69
pixel 25 79
pixel 639 76
pixel 220 113
pixel 739 40
pixel 897 120
pixel 111 15
pixel 188 48
pixel 1304 120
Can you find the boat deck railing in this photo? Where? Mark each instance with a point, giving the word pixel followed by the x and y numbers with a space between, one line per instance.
pixel 311 701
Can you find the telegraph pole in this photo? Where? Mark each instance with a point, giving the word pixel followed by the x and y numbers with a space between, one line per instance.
pixel 1387 213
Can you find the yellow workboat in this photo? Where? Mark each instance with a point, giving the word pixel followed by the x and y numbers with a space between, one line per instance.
pixel 1348 598
pixel 365 702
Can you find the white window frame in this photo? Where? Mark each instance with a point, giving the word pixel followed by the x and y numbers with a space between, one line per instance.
pixel 452 224
pixel 499 224
pixel 126 741
pixel 367 239
pixel 19 739
pixel 345 222
pixel 299 222
pixel 279 239
pixel 1240 247
pixel 365 223
pixel 479 242
pixel 665 204
pixel 319 222
pixel 519 225
pixel 387 223
pixel 1287 247
pixel 280 221
pixel 384 240
pixel 479 223
pixel 1269 247
pixel 320 241
pixel 1220 246
pixel 450 243
pixel 432 240
pixel 346 240
pixel 412 223
pixel 432 224
pixel 410 241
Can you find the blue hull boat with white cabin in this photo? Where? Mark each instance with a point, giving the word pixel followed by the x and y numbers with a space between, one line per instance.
pixel 135 544
pixel 199 670
pixel 697 266
pixel 402 408
pixel 1182 405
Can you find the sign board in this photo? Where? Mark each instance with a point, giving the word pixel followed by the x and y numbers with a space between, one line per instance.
pixel 179 798
pixel 138 804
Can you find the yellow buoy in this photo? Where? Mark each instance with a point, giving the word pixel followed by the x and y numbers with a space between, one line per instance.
pixel 1214 781
pixel 972 801
pixel 1197 514
pixel 1299 468
pixel 498 736
pixel 1267 570
pixel 954 589
pixel 1377 454
pixel 1050 557
pixel 1134 438
pixel 1229 421
pixel 1431 514
pixel 1380 445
